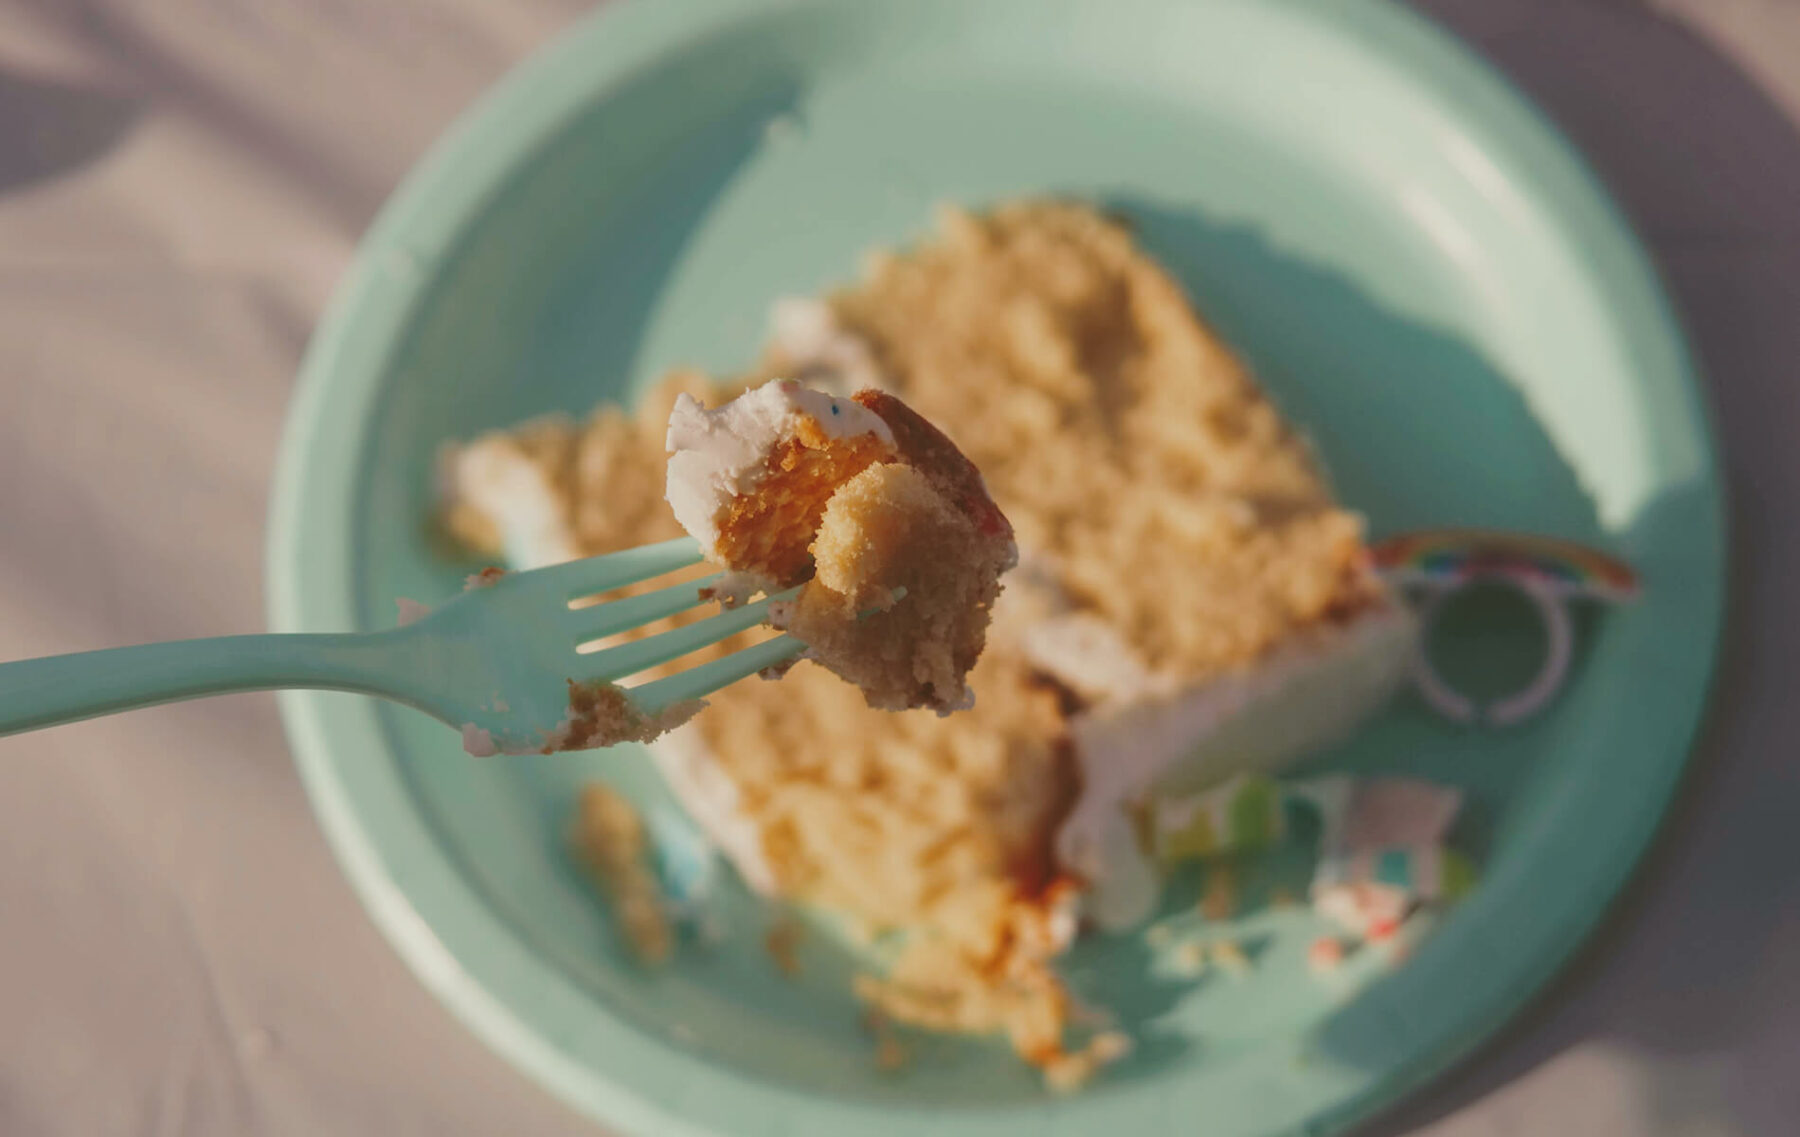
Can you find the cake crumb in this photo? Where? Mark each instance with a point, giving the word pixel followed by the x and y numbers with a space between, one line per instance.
pixel 783 945
pixel 1398 946
pixel 1067 1073
pixel 1230 958
pixel 486 578
pixel 1325 955
pixel 1220 900
pixel 1189 959
pixel 890 1054
pixel 611 842
pixel 604 714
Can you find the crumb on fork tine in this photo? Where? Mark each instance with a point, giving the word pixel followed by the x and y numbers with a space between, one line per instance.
pixel 604 714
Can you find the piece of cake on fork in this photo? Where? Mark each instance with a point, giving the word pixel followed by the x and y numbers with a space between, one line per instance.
pixel 884 524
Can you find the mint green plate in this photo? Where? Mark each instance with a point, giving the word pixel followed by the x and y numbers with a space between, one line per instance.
pixel 1419 268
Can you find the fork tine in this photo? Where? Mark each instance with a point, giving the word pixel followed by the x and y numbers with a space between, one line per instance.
pixel 631 658
pixel 601 620
pixel 698 682
pixel 592 575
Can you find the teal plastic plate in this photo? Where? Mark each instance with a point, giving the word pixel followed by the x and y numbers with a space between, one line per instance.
pixel 1419 268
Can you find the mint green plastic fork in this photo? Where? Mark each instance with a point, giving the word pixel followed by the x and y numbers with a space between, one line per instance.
pixel 497 658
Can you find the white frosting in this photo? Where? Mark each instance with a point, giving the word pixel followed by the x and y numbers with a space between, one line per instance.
pixel 711 799
pixel 511 491
pixel 1123 884
pixel 715 456
pixel 1304 696
pixel 1088 655
pixel 807 333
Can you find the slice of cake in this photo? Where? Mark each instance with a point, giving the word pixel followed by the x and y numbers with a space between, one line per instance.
pixel 1190 603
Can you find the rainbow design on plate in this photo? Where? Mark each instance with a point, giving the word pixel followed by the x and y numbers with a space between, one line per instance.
pixel 1447 558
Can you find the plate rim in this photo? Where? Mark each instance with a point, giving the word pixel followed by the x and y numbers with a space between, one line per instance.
pixel 368 317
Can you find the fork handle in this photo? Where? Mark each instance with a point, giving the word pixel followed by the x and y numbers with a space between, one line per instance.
pixel 36 693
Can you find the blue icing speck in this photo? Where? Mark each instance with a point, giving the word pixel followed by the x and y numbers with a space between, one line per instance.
pixel 686 864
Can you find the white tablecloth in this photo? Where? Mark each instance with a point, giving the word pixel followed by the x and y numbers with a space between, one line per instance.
pixel 181 182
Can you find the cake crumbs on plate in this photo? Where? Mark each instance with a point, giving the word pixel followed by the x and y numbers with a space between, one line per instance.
pixel 1069 1072
pixel 783 945
pixel 1325 955
pixel 1229 956
pixel 1220 900
pixel 890 1053
pixel 1188 960
pixel 611 841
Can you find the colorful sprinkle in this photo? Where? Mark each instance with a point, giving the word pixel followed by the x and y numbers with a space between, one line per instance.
pixel 1325 955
